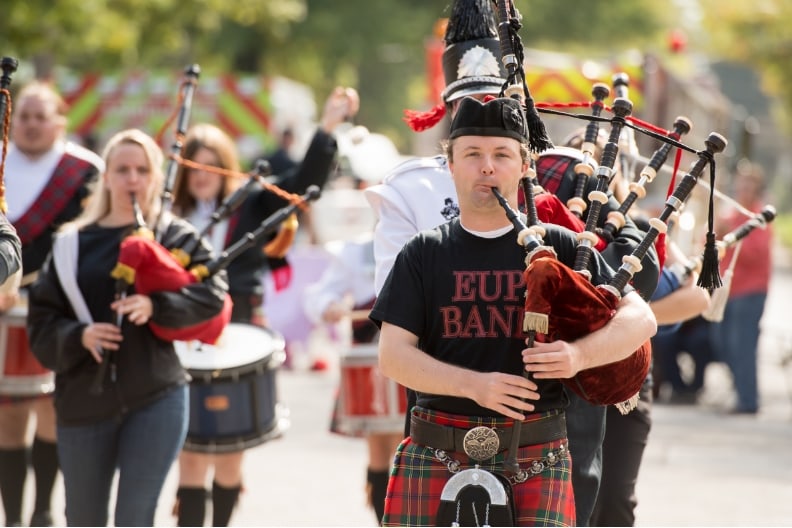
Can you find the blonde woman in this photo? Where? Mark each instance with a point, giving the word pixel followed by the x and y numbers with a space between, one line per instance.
pixel 139 422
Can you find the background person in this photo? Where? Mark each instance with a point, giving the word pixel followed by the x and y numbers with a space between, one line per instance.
pixel 197 194
pixel 47 181
pixel 347 287
pixel 626 435
pixel 735 339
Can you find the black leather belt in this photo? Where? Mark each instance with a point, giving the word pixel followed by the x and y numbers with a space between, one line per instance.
pixel 449 438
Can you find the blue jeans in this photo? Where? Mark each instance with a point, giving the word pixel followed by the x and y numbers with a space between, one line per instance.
pixel 735 340
pixel 585 432
pixel 142 444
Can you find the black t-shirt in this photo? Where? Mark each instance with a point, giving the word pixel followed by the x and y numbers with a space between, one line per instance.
pixel 463 296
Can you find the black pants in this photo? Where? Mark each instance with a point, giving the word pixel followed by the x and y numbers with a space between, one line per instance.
pixel 585 432
pixel 622 451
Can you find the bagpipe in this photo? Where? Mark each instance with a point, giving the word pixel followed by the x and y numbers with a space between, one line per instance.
pixel 151 267
pixel 560 301
pixel 578 309
pixel 230 204
pixel 122 276
pixel 563 304
pixel 145 263
pixel 186 92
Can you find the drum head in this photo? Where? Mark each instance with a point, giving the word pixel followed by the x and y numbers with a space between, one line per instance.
pixel 238 345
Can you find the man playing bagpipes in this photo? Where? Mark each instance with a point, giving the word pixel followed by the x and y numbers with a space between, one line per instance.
pixel 451 313
pixel 420 194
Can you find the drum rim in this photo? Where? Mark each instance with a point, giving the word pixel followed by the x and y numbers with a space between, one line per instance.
pixel 269 363
pixel 272 356
pixel 279 424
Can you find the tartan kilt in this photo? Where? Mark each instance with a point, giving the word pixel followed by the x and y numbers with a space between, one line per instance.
pixel 418 477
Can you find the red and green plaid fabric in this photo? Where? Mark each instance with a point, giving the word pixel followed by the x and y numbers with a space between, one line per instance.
pixel 67 179
pixel 418 478
pixel 550 171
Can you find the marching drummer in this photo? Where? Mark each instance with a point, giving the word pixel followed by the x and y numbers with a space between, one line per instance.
pixel 47 181
pixel 198 193
pixel 450 292
pixel 345 292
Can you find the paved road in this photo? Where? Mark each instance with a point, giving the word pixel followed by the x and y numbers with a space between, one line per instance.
pixel 702 467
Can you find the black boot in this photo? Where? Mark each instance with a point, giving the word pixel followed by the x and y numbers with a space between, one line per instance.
pixel 223 502
pixel 13 472
pixel 378 486
pixel 45 467
pixel 190 506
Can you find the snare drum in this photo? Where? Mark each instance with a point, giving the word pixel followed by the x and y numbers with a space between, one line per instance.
pixel 368 402
pixel 233 394
pixel 22 374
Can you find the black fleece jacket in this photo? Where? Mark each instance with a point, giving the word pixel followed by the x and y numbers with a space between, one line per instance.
pixel 145 366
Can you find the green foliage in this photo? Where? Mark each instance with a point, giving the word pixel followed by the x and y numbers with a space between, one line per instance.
pixel 757 34
pixel 377 46
pixel 782 227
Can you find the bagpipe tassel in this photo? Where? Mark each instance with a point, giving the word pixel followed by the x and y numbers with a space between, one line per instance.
pixel 710 272
pixel 538 137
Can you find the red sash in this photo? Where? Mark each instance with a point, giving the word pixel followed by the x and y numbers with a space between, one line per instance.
pixel 66 179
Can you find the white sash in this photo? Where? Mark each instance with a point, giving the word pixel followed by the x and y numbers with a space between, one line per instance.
pixel 65 251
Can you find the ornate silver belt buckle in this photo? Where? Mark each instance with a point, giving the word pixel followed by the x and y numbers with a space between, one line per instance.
pixel 481 443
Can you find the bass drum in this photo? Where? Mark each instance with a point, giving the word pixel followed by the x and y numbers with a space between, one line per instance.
pixel 22 374
pixel 233 393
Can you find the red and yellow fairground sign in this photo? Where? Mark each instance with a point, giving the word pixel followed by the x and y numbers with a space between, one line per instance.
pixel 249 108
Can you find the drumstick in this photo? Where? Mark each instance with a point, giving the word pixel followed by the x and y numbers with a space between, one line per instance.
pixel 360 315
pixel 28 279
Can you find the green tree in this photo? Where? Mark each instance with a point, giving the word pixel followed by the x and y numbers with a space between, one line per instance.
pixel 116 34
pixel 375 46
pixel 755 34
